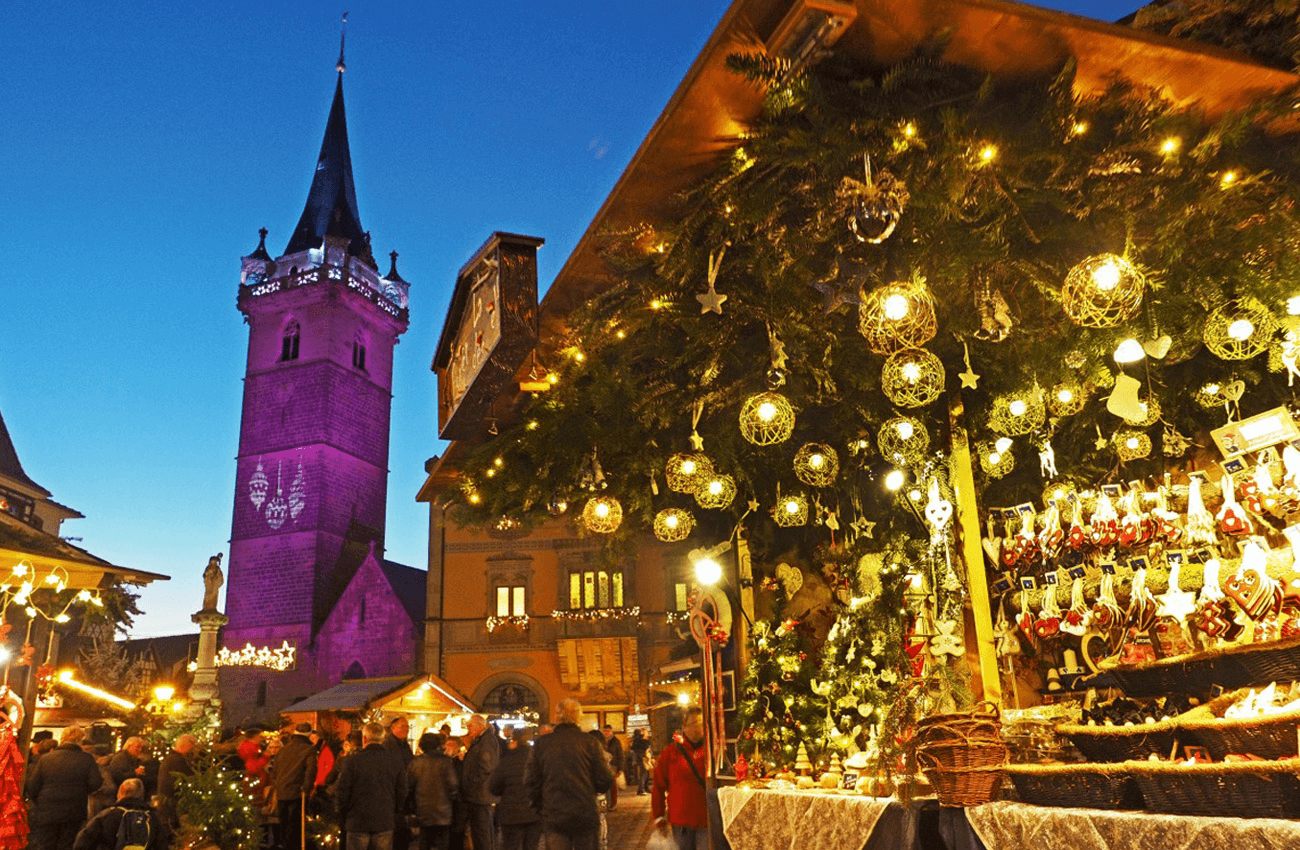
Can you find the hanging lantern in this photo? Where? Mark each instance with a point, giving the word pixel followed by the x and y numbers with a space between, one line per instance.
pixel 1102 291
pixel 903 440
pixel 995 462
pixel 1066 398
pixel 1132 445
pixel 912 377
pixel 673 524
pixel 603 514
pixel 897 316
pixel 816 465
pixel 686 471
pixel 766 419
pixel 716 493
pixel 790 511
pixel 1017 414
pixel 1239 330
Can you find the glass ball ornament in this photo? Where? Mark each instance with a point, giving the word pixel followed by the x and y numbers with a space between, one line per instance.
pixel 816 465
pixel 602 514
pixel 993 461
pixel 1102 291
pixel 875 204
pixel 912 377
pixel 686 471
pixel 766 419
pixel 556 506
pixel 1132 445
pixel 1066 398
pixel 1017 414
pixel 903 440
pixel 718 492
pixel 897 316
pixel 1239 330
pixel 673 524
pixel 790 511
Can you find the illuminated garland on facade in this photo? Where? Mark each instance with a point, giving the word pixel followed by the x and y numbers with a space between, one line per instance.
pixel 275 659
pixel 591 615
pixel 494 622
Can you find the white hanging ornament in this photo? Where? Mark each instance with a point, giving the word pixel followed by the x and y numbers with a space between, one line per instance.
pixel 947 641
pixel 1079 617
pixel 1047 460
pixel 1200 523
pixel 1124 401
pixel 938 511
pixel 276 509
pixel 712 301
pixel 791 579
pixel 257 487
pixel 697 442
pixel 1004 633
pixel 298 493
pixel 1175 602
pixel 969 380
pixel 1289 355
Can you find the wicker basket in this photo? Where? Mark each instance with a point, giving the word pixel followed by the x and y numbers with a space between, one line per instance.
pixel 1272 736
pixel 962 755
pixel 1238 666
pixel 973 787
pixel 1087 786
pixel 1252 789
pixel 982 724
pixel 1111 744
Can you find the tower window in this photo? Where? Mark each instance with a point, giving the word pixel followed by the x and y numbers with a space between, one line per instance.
pixel 596 589
pixel 289 342
pixel 359 353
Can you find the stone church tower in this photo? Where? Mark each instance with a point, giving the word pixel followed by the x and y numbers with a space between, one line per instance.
pixel 312 471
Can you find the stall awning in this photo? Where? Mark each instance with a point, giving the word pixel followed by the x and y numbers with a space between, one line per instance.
pixel 424 693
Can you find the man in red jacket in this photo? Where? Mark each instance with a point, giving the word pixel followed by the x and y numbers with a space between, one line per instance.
pixel 679 775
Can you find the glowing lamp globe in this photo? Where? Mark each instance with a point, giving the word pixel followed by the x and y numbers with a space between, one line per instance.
pixel 602 515
pixel 673 524
pixel 816 465
pixel 707 572
pixel 766 419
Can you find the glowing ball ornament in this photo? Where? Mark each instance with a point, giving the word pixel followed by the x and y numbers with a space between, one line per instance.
pixel 766 419
pixel 1239 330
pixel 718 492
pixel 1066 398
pixel 602 515
pixel 816 465
pixel 903 440
pixel 1017 414
pixel 1102 291
pixel 673 524
pixel 687 471
pixel 790 511
pixel 994 461
pixel 912 377
pixel 897 316
pixel 1132 445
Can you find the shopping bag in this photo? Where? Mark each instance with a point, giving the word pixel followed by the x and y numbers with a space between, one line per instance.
pixel 661 839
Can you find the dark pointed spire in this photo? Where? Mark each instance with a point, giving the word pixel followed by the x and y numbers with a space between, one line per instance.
pixel 343 34
pixel 332 202
pixel 260 252
pixel 392 269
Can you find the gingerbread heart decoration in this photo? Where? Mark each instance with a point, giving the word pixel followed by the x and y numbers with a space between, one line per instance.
pixel 1076 620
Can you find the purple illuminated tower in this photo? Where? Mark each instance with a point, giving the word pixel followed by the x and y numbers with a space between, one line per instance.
pixel 312 472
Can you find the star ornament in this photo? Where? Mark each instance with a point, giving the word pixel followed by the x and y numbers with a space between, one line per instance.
pixel 711 301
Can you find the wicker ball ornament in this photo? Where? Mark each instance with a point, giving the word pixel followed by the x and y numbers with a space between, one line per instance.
pixel 602 515
pixel 903 440
pixel 994 463
pixel 686 471
pixel 897 316
pixel 673 524
pixel 1066 398
pixel 912 377
pixel 816 465
pixel 1017 414
pixel 1102 291
pixel 1239 330
pixel 1150 415
pixel 766 419
pixel 1132 445
pixel 718 492
pixel 790 511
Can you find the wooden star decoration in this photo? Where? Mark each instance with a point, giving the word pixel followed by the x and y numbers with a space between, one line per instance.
pixel 753 505
pixel 863 526
pixel 711 301
pixel 969 380
pixel 697 442
pixel 1101 442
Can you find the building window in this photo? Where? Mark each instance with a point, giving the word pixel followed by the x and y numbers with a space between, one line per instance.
pixel 359 353
pixel 261 693
pixel 361 614
pixel 596 589
pixel 681 596
pixel 289 342
pixel 510 601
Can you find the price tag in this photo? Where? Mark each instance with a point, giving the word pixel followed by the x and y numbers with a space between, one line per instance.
pixel 1077 572
pixel 1108 567
pixel 1175 558
pixel 1138 562
pixel 1028 583
pixel 1051 578
pixel 1001 584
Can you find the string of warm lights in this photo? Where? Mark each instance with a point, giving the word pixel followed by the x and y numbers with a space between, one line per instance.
pixel 67 679
pixel 494 622
pixel 591 615
pixel 279 659
pixel 24 582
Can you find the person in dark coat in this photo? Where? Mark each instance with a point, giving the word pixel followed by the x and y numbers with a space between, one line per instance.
pixel 639 746
pixel 614 747
pixel 451 748
pixel 400 749
pixel 370 788
pixel 59 787
pixel 480 760
pixel 175 764
pixel 293 774
pixel 100 832
pixel 521 826
pixel 431 778
pixel 566 772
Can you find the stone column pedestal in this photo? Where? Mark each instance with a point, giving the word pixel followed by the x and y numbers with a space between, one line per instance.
pixel 204 687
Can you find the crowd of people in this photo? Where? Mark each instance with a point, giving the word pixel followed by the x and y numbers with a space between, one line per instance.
pixel 507 789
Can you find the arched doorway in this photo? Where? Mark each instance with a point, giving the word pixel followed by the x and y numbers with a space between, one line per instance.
pixel 512 695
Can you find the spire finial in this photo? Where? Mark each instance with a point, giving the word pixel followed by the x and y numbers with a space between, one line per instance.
pixel 343 34
pixel 392 269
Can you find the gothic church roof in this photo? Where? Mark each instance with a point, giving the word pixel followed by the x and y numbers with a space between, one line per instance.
pixel 9 464
pixel 331 208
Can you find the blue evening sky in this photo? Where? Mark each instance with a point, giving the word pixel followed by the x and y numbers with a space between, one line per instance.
pixel 146 142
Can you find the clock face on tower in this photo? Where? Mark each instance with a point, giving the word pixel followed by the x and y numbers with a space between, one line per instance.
pixel 479 331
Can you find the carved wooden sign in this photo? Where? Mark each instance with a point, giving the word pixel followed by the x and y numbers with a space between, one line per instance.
pixel 491 328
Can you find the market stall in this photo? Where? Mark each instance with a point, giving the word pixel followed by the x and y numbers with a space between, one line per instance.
pixel 425 700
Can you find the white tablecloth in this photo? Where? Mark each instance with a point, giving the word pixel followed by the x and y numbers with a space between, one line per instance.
pixel 798 820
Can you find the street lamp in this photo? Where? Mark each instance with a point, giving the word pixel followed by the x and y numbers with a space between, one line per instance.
pixel 163 693
pixel 708 571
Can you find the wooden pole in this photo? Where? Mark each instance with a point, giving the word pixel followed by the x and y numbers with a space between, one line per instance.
pixel 967 529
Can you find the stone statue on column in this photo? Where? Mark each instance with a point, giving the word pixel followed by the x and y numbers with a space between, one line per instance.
pixel 203 690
